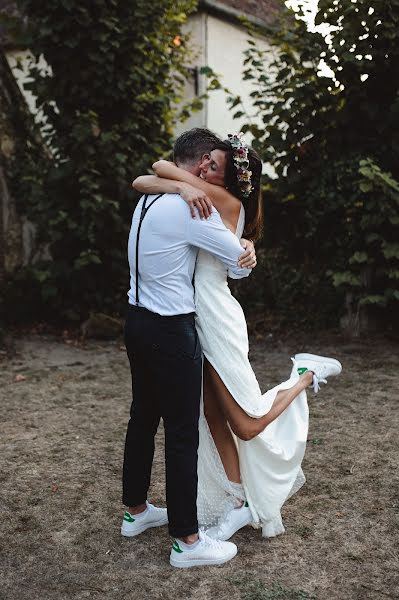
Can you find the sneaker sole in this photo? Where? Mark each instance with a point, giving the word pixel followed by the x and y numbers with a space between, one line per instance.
pixel 186 564
pixel 319 359
pixel 127 533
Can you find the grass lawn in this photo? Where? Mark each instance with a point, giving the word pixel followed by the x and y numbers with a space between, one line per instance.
pixel 63 414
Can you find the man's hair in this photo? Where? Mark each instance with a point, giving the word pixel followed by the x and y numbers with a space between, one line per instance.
pixel 191 145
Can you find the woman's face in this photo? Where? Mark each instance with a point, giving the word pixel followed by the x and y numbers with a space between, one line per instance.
pixel 213 166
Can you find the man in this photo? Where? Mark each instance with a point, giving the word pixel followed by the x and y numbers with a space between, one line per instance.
pixel 165 357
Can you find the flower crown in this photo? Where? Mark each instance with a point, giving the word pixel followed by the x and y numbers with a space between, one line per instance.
pixel 241 162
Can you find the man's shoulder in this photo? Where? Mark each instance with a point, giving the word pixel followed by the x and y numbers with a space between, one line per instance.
pixel 165 207
pixel 168 202
pixel 161 199
pixel 176 198
pixel 153 196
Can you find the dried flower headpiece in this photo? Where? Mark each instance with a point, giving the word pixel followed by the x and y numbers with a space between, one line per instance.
pixel 241 162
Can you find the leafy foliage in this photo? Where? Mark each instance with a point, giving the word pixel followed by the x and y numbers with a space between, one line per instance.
pixel 106 96
pixel 372 271
pixel 333 141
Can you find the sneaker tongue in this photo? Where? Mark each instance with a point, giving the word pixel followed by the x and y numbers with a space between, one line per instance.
pixel 213 543
pixel 208 540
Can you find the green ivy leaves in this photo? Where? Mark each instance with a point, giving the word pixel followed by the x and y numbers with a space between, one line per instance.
pixel 333 143
pixel 109 105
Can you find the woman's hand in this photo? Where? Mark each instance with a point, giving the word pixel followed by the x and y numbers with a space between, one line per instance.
pixel 196 199
pixel 248 258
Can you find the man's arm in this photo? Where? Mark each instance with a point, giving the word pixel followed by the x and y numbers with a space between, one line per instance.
pixel 211 235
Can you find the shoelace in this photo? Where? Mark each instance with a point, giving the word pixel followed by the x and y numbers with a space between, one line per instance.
pixel 208 540
pixel 316 383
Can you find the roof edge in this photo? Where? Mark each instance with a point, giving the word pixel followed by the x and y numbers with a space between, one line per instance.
pixel 218 9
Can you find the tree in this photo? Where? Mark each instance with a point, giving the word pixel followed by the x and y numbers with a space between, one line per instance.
pixel 334 144
pixel 114 74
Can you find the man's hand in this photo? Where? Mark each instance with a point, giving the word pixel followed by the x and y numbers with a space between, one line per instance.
pixel 248 258
pixel 196 199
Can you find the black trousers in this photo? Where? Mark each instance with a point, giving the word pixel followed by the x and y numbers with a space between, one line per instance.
pixel 165 361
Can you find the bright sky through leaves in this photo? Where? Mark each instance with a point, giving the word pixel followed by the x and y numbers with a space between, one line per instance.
pixel 309 5
pixel 310 10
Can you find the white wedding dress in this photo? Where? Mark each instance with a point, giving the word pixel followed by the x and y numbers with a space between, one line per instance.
pixel 270 464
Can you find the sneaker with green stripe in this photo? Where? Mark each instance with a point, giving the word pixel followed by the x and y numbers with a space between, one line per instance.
pixel 321 367
pixel 204 553
pixel 152 517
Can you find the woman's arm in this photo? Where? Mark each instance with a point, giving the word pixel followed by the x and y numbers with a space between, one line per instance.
pixel 195 198
pixel 227 205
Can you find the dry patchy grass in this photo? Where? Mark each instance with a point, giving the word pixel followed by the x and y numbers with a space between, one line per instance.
pixel 64 411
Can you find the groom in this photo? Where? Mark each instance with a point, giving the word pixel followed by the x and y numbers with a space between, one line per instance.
pixel 165 357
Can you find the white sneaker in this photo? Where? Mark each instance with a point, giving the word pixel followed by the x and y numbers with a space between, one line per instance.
pixel 206 552
pixel 235 520
pixel 321 366
pixel 135 524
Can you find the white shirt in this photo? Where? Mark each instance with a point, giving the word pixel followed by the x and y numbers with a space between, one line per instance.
pixel 168 246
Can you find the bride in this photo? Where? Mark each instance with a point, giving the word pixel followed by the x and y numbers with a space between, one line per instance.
pixel 251 444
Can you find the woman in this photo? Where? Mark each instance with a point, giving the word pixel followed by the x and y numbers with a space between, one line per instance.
pixel 243 480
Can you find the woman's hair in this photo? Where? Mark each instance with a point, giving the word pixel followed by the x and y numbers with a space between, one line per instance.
pixel 252 202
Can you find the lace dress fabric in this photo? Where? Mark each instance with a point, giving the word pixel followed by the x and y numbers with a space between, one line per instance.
pixel 270 464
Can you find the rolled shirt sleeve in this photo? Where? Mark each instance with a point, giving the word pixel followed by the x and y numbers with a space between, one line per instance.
pixel 212 235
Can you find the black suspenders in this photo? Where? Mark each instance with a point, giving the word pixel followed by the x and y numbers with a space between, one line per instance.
pixel 144 211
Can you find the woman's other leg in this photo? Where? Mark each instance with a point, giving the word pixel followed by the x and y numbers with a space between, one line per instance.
pixel 219 427
pixel 242 425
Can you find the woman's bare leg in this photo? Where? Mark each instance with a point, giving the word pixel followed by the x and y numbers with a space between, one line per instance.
pixel 244 426
pixel 220 429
